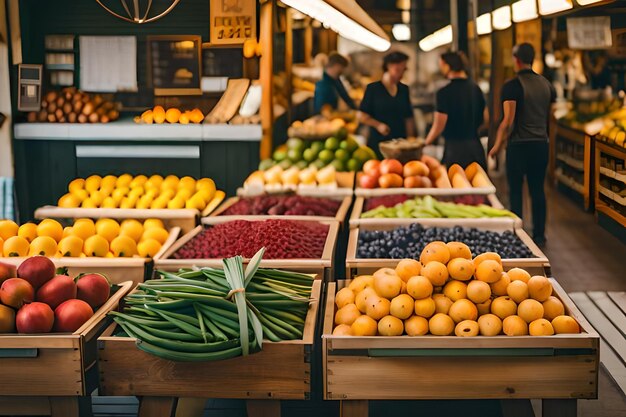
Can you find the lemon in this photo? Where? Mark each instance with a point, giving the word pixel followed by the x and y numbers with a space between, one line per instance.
pixel 167 194
pixel 148 248
pixel 154 181
pixel 153 223
pixel 176 203
pixel 96 245
pixel 128 202
pixel 106 191
pixel 81 195
pixel 109 202
pixel 109 255
pixel 69 200
pixel 51 228
pixel 92 183
pixel 138 181
pixel 195 202
pixel 15 246
pixel 84 228
pixel 28 231
pixel 131 228
pixel 97 197
pixel 76 184
pixel 71 246
pixel 159 203
pixel 152 193
pixel 155 233
pixel 123 247
pixel 136 192
pixel 205 184
pixel 171 181
pixel 43 245
pixel 120 193
pixel 124 180
pixel 184 193
pixel 67 231
pixel 144 202
pixel 206 194
pixel 108 181
pixel 187 182
pixel 8 228
pixel 88 203
pixel 108 229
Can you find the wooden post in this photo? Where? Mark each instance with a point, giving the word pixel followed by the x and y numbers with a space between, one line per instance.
pixel 289 63
pixel 308 42
pixel 266 75
pixel 354 408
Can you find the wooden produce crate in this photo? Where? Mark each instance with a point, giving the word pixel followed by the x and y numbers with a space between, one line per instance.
pixel 359 204
pixel 322 266
pixel 186 219
pixel 340 216
pixel 116 270
pixel 48 373
pixel 280 371
pixel 360 266
pixel 558 369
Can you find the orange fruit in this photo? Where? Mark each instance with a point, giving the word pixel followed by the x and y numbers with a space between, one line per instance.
pixel 92 183
pixel 28 231
pixel 489 271
pixel 416 326
pixel 153 223
pixel 419 287
pixel 441 325
pixel 490 325
pixel 96 245
pixel 408 268
pixel 108 229
pixel 69 200
pixel 347 314
pixel 15 246
pixel 344 297
pixel 435 251
pixel 487 256
pixel 459 250
pixel 83 228
pixel 158 114
pixel 342 330
pixel 123 246
pixel 466 328
pixel 463 310
pixel 390 326
pixel 436 272
pixel 565 324
pixel 518 274
pixel 364 326
pixel 172 115
pixel 8 228
pixel 76 184
pixel 43 245
pixel 70 246
pixel 51 228
pixel 131 228
pixel 540 327
pixel 148 248
pixel 387 283
pixel 514 326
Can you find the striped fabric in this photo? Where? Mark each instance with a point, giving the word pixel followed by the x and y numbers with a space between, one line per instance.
pixel 7 205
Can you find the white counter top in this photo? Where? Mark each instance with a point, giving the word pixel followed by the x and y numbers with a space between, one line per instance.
pixel 130 131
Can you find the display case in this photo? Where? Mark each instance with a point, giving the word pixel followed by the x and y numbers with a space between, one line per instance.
pixel 610 187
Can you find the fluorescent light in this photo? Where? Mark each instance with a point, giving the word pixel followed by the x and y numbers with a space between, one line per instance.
pixel 524 10
pixel 439 38
pixel 340 23
pixel 401 32
pixel 501 18
pixel 547 7
pixel 483 24
pixel 587 2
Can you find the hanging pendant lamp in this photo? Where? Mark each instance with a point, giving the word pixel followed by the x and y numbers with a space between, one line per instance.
pixel 137 11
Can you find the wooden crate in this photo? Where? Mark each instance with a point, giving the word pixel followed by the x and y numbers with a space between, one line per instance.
pixel 322 266
pixel 340 216
pixel 359 204
pixel 359 266
pixel 186 219
pixel 61 366
pixel 280 371
pixel 448 367
pixel 116 269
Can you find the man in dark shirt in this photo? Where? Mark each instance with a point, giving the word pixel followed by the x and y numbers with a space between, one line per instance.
pixel 459 113
pixel 330 88
pixel 527 106
pixel 386 107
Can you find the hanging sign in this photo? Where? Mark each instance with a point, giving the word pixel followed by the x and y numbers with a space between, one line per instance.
pixel 232 21
pixel 589 32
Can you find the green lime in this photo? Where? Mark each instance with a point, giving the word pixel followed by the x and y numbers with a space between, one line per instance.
pixel 319 164
pixel 326 155
pixel 353 165
pixel 301 164
pixel 339 165
pixel 279 155
pixel 332 143
pixel 349 145
pixel 296 143
pixel 342 133
pixel 294 155
pixel 285 164
pixel 361 155
pixel 317 146
pixel 309 155
pixel 266 164
pixel 342 155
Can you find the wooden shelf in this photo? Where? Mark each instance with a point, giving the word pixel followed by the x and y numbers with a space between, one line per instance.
pixel 619 176
pixel 572 162
pixel 613 196
pixel 579 188
pixel 604 209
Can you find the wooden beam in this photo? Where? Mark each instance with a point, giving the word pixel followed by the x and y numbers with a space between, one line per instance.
pixel 308 42
pixel 266 76
pixel 289 62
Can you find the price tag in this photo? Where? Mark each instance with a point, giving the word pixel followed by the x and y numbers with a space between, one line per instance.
pixel 232 21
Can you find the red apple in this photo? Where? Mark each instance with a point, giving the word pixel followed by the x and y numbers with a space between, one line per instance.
pixel 415 168
pixel 37 270
pixel 372 168
pixel 7 271
pixel 367 181
pixel 7 319
pixel 94 289
pixel 59 289
pixel 70 315
pixel 15 292
pixel 34 318
pixel 391 166
pixel 390 181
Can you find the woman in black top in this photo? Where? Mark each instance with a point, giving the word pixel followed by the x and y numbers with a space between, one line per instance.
pixel 459 113
pixel 386 107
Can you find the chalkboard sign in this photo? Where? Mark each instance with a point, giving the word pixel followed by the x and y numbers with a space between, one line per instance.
pixel 175 65
pixel 222 62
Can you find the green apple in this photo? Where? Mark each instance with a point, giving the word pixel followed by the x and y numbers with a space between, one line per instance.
pixel 294 155
pixel 339 165
pixel 332 143
pixel 309 155
pixel 353 165
pixel 342 155
pixel 326 155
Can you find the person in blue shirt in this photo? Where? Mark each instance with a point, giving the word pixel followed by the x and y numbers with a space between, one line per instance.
pixel 330 88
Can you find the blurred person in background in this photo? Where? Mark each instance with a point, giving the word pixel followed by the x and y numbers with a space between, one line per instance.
pixel 459 113
pixel 330 88
pixel 527 105
pixel 386 107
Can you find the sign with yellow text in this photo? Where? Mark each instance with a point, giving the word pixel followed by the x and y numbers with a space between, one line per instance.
pixel 232 21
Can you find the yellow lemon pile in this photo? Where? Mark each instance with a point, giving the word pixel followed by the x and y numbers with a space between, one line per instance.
pixel 140 192
pixel 105 238
pixel 449 292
